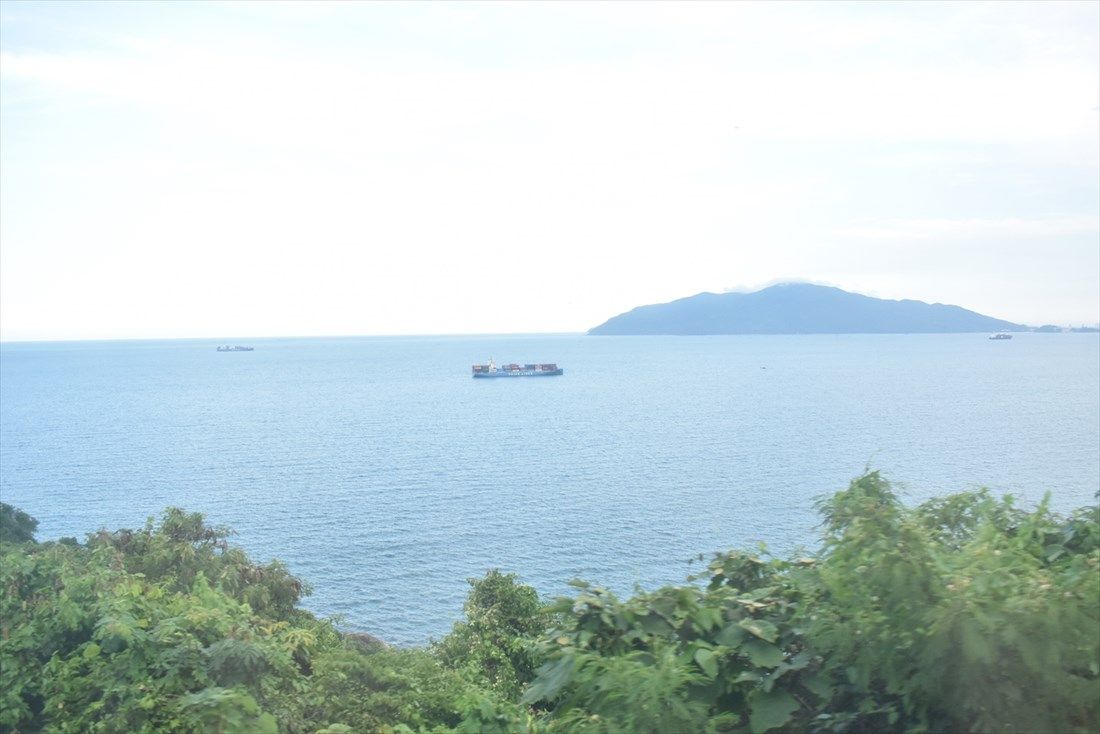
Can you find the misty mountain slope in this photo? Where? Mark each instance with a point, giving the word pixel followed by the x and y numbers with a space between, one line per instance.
pixel 798 308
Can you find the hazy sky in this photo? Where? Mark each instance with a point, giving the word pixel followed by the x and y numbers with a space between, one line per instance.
pixel 203 169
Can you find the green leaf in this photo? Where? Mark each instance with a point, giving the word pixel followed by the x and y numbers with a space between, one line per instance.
pixel 819 686
pixel 706 661
pixel 91 651
pixel 758 594
pixel 770 710
pixel 656 625
pixel 731 636
pixel 762 628
pixel 707 619
pixel 266 724
pixel 551 677
pixel 762 654
pixel 799 661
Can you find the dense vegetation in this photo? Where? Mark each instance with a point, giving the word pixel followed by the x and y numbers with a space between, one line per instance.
pixel 964 614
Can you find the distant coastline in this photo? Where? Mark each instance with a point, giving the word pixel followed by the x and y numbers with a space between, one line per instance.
pixel 205 343
pixel 801 308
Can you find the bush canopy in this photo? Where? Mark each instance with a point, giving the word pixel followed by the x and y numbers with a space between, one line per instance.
pixel 962 614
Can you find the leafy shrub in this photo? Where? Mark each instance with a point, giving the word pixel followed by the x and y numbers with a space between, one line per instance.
pixel 183 546
pixel 16 526
pixel 155 631
pixel 385 690
pixel 963 614
pixel 682 658
pixel 494 646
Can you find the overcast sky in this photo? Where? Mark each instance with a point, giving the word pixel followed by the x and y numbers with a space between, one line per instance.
pixel 203 169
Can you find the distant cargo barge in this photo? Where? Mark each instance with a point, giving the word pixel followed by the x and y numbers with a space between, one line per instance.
pixel 237 348
pixel 516 370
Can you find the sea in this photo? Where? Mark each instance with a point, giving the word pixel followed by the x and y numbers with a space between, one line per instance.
pixel 384 476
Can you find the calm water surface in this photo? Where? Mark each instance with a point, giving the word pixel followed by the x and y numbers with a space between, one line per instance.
pixel 385 476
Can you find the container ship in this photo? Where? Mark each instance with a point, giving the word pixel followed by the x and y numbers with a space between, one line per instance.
pixel 516 370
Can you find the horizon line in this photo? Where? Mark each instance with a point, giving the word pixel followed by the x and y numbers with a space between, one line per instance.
pixel 220 342
pixel 225 340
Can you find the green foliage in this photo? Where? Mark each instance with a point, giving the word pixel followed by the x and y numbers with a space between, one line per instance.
pixel 219 710
pixel 683 658
pixel 644 692
pixel 184 547
pixel 384 690
pixel 953 520
pixel 16 526
pixel 169 630
pixel 963 614
pixel 95 648
pixel 494 646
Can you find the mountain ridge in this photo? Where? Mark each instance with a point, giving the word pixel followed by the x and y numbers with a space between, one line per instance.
pixel 797 308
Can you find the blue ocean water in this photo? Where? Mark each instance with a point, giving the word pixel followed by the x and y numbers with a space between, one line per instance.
pixel 385 476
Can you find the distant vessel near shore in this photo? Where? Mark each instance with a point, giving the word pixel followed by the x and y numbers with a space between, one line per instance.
pixel 1000 335
pixel 516 370
pixel 237 348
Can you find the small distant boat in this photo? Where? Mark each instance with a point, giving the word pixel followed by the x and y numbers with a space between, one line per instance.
pixel 1000 335
pixel 237 348
pixel 516 370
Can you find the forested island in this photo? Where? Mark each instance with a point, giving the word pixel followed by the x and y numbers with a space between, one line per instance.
pixel 962 614
pixel 798 308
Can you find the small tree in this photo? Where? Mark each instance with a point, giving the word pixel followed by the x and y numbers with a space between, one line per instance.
pixel 494 645
pixel 16 526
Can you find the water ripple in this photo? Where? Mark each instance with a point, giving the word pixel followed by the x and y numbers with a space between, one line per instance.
pixel 376 469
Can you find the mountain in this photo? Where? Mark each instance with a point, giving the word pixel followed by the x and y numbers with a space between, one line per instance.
pixel 798 308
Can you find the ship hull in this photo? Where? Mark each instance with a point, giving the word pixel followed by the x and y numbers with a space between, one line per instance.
pixel 518 373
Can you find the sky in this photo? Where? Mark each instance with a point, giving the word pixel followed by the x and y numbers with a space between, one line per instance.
pixel 268 169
